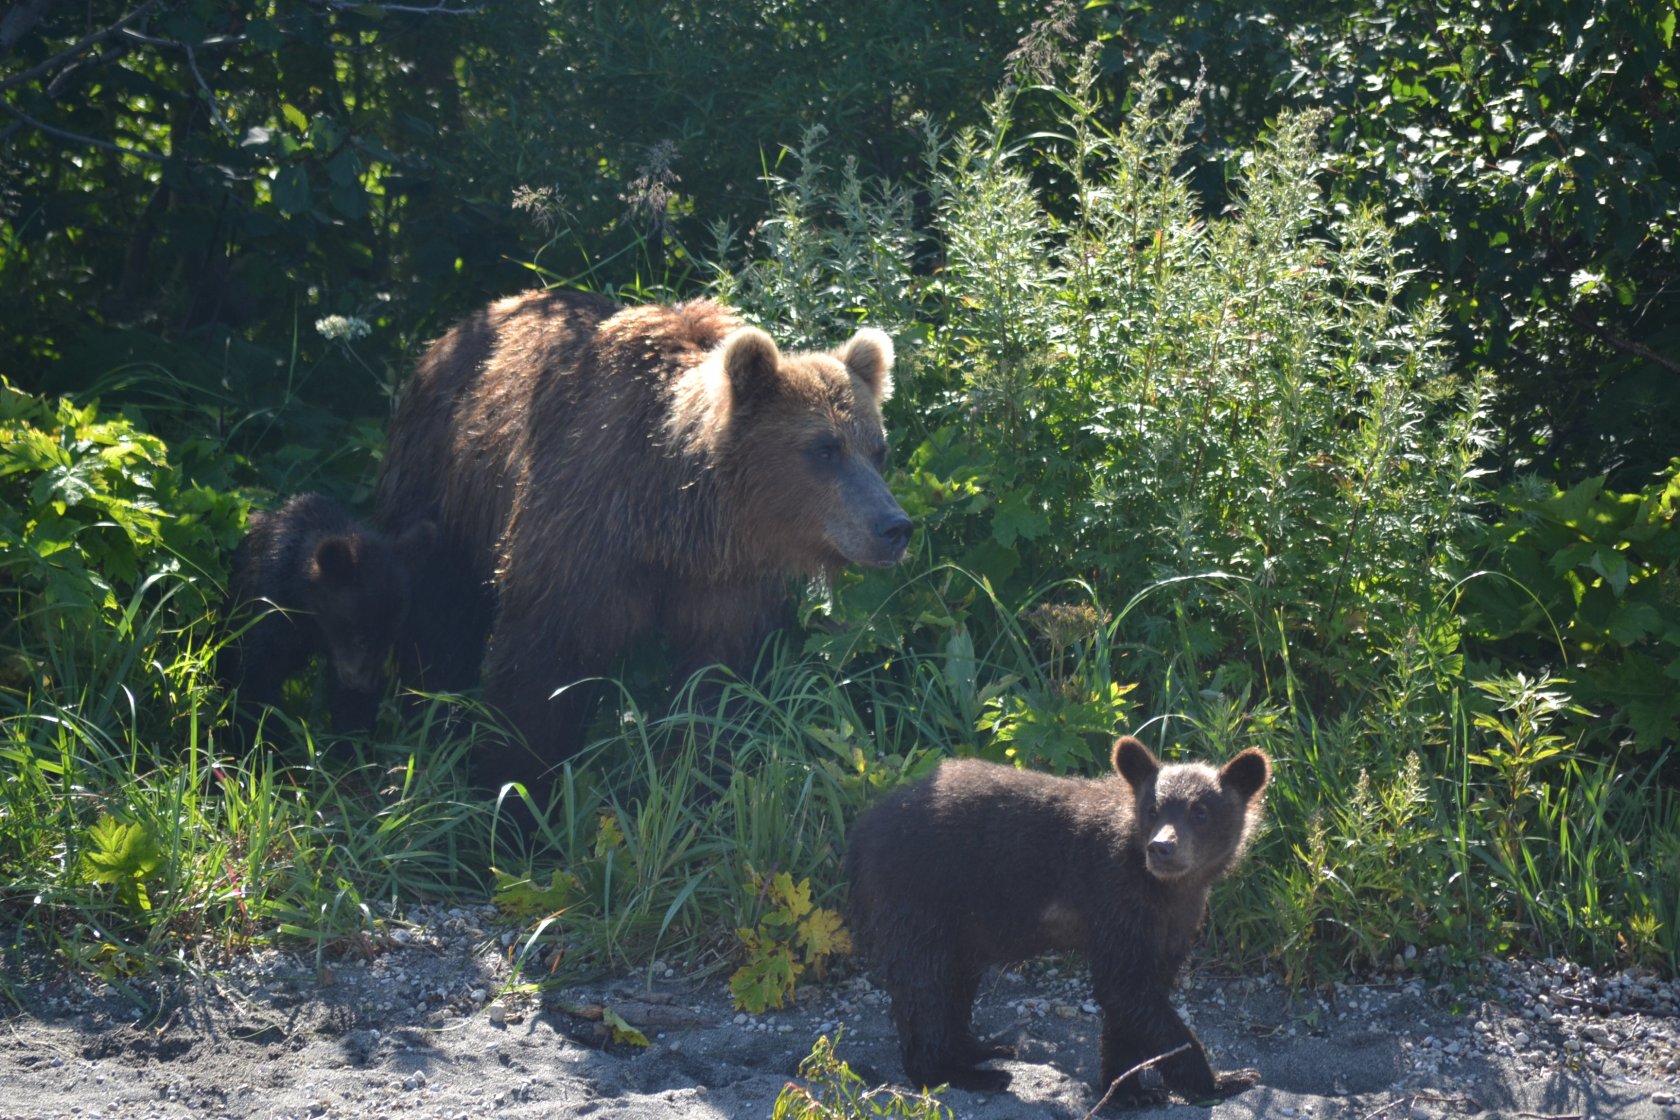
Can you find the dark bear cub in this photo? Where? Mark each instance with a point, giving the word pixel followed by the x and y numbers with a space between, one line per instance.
pixel 341 591
pixel 981 864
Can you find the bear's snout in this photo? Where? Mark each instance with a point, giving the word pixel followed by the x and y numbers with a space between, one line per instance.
pixel 867 525
pixel 894 533
pixel 357 666
pixel 1164 856
pixel 1165 843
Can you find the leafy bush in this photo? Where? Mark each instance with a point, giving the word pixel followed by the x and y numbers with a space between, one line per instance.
pixel 791 937
pixel 108 552
pixel 1588 581
pixel 1237 414
pixel 834 1092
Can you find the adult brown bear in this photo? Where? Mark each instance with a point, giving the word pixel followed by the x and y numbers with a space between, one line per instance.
pixel 597 472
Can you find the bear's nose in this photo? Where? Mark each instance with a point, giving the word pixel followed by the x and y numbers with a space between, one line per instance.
pixel 894 531
pixel 1165 843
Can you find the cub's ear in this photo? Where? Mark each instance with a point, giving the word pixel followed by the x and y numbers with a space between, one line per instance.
pixel 752 363
pixel 1247 773
pixel 869 357
pixel 1135 762
pixel 415 542
pixel 334 561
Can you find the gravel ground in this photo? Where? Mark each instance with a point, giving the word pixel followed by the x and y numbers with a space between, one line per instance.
pixel 420 1026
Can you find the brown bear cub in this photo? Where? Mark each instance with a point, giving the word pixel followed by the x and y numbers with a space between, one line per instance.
pixel 980 864
pixel 341 591
pixel 599 474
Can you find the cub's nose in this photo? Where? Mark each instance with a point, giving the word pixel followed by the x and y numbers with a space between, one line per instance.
pixel 1164 844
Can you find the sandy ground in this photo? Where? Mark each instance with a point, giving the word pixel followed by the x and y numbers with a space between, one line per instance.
pixel 423 1026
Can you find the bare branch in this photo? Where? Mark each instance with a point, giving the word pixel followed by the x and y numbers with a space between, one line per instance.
pixel 441 8
pixel 77 138
pixel 220 41
pixel 1581 319
pixel 1140 1067
pixel 75 48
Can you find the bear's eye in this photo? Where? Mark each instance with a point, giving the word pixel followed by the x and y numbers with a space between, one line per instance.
pixel 826 451
pixel 1199 812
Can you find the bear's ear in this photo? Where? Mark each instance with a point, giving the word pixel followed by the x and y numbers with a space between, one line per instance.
pixel 869 357
pixel 334 560
pixel 1135 762
pixel 415 543
pixel 1247 773
pixel 752 363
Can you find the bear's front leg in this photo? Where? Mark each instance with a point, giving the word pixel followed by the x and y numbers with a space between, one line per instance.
pixel 1143 1028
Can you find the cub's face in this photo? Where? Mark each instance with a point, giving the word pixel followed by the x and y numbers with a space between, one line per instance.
pixel 360 589
pixel 1193 821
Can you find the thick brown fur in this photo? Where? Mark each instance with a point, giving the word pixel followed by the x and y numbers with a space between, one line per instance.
pixel 309 580
pixel 981 864
pixel 597 473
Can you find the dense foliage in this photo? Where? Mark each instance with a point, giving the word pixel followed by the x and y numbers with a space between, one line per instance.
pixel 1282 388
pixel 1528 154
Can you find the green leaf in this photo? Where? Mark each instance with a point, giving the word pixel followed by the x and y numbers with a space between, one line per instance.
pixel 622 1031
pixel 824 935
pixel 1613 566
pixel 1571 508
pixel 291 190
pixel 765 981
pixel 522 898
pixel 294 116
pixel 1018 518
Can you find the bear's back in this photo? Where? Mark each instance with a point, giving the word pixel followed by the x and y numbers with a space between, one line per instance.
pixel 995 847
